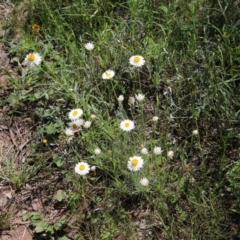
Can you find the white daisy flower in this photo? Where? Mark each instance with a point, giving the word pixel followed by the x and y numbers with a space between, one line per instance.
pixel 157 150
pixel 97 151
pixel 69 132
pixel 140 97
pixel 120 98
pixel 127 125
pixel 76 124
pixel 32 60
pixel 144 182
pixel 195 132
pixel 87 124
pixel 108 74
pixel 170 154
pixel 75 114
pixel 89 46
pixel 137 61
pixel 82 168
pixel 135 163
pixel 144 151
pixel 131 100
pixel 155 119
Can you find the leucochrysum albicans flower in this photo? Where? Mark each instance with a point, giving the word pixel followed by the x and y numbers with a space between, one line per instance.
pixel 75 114
pixel 195 132
pixel 157 150
pixel 97 151
pixel 89 46
pixel 137 61
pixel 82 168
pixel 131 100
pixel 93 116
pixel 108 74
pixel 69 132
pixel 120 98
pixel 144 182
pixel 32 60
pixel 87 124
pixel 93 168
pixel 140 97
pixel 76 124
pixel 135 163
pixel 127 125
pixel 155 119
pixel 170 154
pixel 144 151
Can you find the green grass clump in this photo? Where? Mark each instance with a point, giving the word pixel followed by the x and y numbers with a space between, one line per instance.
pixel 190 81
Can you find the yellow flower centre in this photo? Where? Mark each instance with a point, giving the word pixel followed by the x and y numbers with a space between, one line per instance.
pixel 134 162
pixel 75 113
pixel 136 59
pixel 81 167
pixel 31 57
pixel 127 124
pixel 44 141
pixel 108 74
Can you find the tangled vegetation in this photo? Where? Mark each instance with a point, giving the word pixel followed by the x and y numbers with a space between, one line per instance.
pixel 133 111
